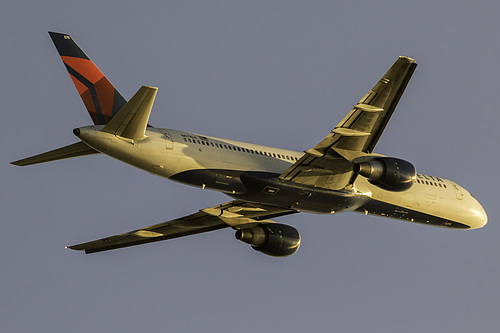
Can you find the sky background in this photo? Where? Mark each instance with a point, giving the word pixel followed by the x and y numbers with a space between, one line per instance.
pixel 279 73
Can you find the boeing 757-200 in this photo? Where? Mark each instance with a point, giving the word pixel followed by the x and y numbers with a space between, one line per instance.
pixel 339 174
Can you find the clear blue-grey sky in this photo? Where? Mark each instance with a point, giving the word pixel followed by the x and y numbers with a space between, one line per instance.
pixel 280 73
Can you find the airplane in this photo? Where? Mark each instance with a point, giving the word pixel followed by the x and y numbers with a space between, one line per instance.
pixel 339 174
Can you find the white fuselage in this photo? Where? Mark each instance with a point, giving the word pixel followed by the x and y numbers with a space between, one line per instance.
pixel 217 164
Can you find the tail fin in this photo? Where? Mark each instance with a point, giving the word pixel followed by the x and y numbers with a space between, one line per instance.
pixel 100 97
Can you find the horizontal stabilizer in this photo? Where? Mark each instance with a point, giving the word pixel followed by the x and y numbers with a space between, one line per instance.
pixel 133 118
pixel 74 150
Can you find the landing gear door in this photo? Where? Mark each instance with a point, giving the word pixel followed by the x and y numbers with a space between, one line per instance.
pixel 168 140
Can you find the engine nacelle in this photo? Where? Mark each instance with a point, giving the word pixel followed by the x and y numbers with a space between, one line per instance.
pixel 274 239
pixel 392 174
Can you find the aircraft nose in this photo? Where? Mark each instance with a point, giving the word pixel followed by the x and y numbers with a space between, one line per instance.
pixel 479 217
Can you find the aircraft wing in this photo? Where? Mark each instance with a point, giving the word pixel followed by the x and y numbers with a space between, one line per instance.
pixel 236 214
pixel 328 164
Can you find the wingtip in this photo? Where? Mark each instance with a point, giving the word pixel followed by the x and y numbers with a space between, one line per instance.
pixel 79 248
pixel 407 58
pixel 53 33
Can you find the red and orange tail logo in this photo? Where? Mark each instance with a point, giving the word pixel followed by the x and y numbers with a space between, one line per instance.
pixel 100 97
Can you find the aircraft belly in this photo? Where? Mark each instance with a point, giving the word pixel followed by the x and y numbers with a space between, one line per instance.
pixel 265 188
pixel 222 180
pixel 423 203
pixel 273 191
pixel 384 209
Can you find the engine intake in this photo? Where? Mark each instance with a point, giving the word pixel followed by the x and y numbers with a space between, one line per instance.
pixel 273 239
pixel 392 174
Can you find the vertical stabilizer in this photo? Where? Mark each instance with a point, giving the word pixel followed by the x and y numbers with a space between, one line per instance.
pixel 100 97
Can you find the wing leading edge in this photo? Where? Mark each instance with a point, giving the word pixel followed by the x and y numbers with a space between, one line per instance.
pixel 328 164
pixel 235 214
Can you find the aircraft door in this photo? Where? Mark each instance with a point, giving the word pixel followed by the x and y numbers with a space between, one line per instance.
pixel 458 192
pixel 168 140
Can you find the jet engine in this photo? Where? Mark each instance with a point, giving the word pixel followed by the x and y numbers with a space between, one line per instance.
pixel 389 173
pixel 273 239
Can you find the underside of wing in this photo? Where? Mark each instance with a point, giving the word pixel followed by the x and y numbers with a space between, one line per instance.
pixel 73 150
pixel 329 163
pixel 235 214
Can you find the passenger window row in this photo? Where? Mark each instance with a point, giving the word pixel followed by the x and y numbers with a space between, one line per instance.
pixel 240 149
pixel 430 183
